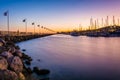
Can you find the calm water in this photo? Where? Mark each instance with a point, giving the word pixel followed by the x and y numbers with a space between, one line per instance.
pixel 76 58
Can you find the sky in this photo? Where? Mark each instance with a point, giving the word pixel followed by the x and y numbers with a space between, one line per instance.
pixel 59 15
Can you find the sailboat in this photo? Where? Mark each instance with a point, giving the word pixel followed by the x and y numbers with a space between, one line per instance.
pixel 74 33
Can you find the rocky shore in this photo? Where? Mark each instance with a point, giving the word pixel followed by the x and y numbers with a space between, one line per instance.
pixel 14 63
pixel 16 39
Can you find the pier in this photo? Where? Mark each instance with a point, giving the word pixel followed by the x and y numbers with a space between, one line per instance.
pixel 22 38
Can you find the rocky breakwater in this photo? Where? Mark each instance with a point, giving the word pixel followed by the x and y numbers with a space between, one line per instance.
pixel 13 63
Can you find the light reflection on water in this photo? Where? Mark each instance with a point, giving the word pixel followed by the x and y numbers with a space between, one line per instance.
pixel 76 58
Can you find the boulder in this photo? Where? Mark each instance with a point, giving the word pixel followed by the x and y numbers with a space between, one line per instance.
pixel 29 70
pixel 6 54
pixel 28 62
pixel 12 50
pixel 8 75
pixel 21 76
pixel 17 47
pixel 2 42
pixel 2 49
pixel 23 49
pixel 10 43
pixel 36 69
pixel 38 60
pixel 18 53
pixel 41 71
pixel 16 64
pixel 3 63
pixel 26 57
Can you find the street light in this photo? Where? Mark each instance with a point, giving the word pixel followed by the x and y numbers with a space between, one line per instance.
pixel 39 29
pixel 25 20
pixel 7 14
pixel 34 27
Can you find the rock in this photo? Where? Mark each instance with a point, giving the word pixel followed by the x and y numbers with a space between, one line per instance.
pixel 7 49
pixel 17 47
pixel 3 63
pixel 35 69
pixel 28 62
pixel 29 70
pixel 41 71
pixel 12 50
pixel 2 42
pixel 18 53
pixel 2 49
pixel 21 76
pixel 6 54
pixel 16 64
pixel 26 57
pixel 30 59
pixel 23 49
pixel 38 60
pixel 7 38
pixel 10 43
pixel 8 75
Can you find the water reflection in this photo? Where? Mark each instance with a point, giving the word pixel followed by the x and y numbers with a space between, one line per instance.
pixel 76 58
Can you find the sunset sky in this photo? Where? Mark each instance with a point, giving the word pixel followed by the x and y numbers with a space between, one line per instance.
pixel 56 14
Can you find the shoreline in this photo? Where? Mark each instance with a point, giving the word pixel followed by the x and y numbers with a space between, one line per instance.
pixel 15 63
pixel 16 39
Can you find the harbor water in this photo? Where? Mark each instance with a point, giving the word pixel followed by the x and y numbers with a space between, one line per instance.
pixel 76 58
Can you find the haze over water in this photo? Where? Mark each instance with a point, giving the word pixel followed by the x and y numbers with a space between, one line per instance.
pixel 76 58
